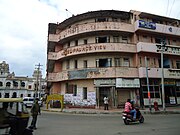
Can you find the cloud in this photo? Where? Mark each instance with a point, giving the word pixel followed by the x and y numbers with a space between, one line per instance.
pixel 23 34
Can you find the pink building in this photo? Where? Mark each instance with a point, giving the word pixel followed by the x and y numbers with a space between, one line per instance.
pixel 103 52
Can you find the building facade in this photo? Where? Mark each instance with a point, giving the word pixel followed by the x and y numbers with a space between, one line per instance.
pixel 19 86
pixel 102 53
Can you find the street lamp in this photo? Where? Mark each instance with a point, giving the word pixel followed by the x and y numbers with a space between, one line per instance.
pixel 147 78
pixel 162 77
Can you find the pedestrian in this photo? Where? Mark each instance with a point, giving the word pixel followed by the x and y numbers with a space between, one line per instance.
pixel 106 104
pixel 35 110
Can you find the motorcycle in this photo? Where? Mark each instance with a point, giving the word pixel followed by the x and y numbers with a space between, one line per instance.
pixel 128 118
pixel 14 117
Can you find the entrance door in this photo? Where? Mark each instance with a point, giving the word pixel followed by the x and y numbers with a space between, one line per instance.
pixel 103 91
pixel 170 95
pixel 123 95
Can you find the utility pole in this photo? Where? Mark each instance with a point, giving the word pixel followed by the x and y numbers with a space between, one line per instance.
pixel 147 78
pixel 37 78
pixel 162 77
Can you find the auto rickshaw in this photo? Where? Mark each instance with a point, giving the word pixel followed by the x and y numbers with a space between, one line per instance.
pixel 14 117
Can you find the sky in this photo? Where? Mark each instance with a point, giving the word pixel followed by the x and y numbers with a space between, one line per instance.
pixel 24 25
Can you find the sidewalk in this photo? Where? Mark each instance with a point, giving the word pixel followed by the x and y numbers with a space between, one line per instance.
pixel 169 110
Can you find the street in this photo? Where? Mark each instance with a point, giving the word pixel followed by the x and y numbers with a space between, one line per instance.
pixel 52 123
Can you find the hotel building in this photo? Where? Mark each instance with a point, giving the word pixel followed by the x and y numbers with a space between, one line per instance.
pixel 115 54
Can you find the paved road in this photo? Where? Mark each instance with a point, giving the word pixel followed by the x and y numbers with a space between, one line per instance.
pixel 51 123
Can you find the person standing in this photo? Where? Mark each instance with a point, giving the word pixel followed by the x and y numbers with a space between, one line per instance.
pixel 106 104
pixel 35 110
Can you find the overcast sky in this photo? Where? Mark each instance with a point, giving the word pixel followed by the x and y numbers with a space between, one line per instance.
pixel 24 25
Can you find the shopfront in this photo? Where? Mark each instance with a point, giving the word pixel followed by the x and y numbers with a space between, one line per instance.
pixel 105 87
pixel 127 89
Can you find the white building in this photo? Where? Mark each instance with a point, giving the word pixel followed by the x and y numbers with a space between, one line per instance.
pixel 20 86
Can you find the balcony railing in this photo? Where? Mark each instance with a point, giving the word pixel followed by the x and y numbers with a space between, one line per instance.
pixel 158 28
pixel 92 48
pixel 157 73
pixel 97 26
pixel 110 72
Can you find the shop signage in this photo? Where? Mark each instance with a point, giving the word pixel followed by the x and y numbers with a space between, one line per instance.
pixel 147 25
pixel 83 49
pixel 127 83
pixel 104 82
pixel 169 49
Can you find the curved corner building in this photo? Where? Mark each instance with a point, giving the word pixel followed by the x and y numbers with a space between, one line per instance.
pixel 115 54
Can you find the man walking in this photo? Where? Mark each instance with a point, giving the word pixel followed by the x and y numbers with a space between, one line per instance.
pixel 106 103
pixel 35 110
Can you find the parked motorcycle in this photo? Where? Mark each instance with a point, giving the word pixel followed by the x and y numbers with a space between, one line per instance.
pixel 128 118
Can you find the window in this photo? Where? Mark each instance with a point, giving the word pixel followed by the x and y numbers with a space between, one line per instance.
pixel 104 62
pixel 84 92
pixel 116 39
pixel 85 41
pixel 174 42
pixel 124 39
pixel 76 42
pixel 22 84
pixel 126 62
pixel 101 19
pixel 15 84
pixel 1 84
pixel 67 64
pixel 117 62
pixel 85 63
pixel 145 38
pixel 102 39
pixel 68 45
pixel 74 90
pixel 140 61
pixel 8 84
pixel 158 40
pixel 29 87
pixel 115 19
pixel 178 64
pixel 75 64
pixel 69 88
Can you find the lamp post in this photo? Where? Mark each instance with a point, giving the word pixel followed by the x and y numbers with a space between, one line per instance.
pixel 147 78
pixel 162 73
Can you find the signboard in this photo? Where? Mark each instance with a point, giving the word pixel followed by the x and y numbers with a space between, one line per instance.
pixel 55 97
pixel 127 83
pixel 147 25
pixel 172 100
pixel 104 82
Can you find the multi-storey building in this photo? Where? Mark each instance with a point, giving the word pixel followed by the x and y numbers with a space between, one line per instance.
pixel 103 52
pixel 19 86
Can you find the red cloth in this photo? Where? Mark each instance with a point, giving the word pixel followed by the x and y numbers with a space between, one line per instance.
pixel 128 107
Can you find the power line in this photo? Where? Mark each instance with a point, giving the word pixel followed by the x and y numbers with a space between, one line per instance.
pixel 171 7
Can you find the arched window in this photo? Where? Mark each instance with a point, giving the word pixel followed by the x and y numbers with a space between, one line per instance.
pixel 1 84
pixel 15 84
pixel 22 84
pixel 8 84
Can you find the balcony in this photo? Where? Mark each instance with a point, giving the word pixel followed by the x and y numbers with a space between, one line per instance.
pixel 157 28
pixel 157 73
pixel 98 26
pixel 111 72
pixel 92 48
pixel 155 48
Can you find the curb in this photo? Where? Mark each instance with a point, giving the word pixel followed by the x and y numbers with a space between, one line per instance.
pixel 109 112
